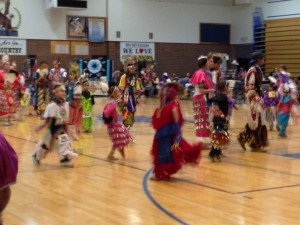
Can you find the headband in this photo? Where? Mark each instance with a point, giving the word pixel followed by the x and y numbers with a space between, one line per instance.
pixel 59 88
pixel 131 66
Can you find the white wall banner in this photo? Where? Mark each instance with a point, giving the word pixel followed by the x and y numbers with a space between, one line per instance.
pixel 143 51
pixel 13 46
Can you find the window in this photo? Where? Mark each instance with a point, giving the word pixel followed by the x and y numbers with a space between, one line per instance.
pixel 214 33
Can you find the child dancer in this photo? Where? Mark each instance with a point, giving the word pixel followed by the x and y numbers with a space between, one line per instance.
pixel 118 133
pixel 130 86
pixel 284 109
pixel 56 117
pixel 9 100
pixel 74 96
pixel 220 134
pixel 41 95
pixel 25 101
pixel 270 102
pixel 8 172
pixel 231 104
pixel 169 150
pixel 87 107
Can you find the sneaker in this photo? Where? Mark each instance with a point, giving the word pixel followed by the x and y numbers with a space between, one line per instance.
pixel 67 164
pixel 72 155
pixel 35 161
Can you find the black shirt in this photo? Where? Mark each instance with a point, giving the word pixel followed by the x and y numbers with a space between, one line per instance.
pixel 222 101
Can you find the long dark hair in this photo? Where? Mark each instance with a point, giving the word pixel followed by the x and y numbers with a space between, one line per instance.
pixel 221 86
pixel 201 62
pixel 255 57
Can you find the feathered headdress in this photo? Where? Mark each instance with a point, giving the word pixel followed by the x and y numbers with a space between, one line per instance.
pixel 44 68
pixel 74 69
pixel 77 94
pixel 5 58
pixel 14 65
pixel 84 80
pixel 129 60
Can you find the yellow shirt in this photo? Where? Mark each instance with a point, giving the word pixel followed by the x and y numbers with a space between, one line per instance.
pixel 122 83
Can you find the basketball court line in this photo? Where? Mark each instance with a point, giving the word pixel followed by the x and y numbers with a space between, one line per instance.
pixel 266 189
pixel 262 168
pixel 155 203
pixel 22 139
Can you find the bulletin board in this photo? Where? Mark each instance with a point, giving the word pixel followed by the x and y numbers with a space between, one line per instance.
pixel 60 47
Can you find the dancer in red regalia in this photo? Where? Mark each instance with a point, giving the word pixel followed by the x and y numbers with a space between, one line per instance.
pixel 169 150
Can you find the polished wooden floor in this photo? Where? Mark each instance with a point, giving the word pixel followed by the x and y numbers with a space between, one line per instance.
pixel 246 188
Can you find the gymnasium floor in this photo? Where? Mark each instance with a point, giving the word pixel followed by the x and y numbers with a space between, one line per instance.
pixel 245 188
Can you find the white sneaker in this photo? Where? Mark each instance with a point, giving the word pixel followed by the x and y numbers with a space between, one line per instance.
pixel 72 155
pixel 35 161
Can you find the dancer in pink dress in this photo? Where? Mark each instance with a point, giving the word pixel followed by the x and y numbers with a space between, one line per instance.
pixel 203 86
pixel 118 133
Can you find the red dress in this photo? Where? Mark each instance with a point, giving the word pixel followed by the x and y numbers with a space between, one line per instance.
pixel 168 160
pixel 201 110
pixel 8 99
